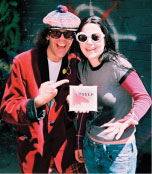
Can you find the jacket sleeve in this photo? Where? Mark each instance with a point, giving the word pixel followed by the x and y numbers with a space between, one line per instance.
pixel 14 102
pixel 142 100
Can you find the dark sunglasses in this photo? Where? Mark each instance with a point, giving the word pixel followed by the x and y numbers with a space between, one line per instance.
pixel 83 37
pixel 56 34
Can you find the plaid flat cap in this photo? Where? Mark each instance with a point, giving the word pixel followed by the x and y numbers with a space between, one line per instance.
pixel 61 18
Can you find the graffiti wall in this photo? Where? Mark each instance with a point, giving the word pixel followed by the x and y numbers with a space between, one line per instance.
pixel 129 21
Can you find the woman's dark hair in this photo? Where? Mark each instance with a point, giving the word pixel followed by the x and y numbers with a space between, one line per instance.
pixel 110 53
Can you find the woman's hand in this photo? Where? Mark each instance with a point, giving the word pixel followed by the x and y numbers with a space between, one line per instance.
pixel 82 111
pixel 47 91
pixel 117 128
pixel 79 156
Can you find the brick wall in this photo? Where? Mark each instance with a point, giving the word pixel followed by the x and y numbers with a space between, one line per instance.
pixel 130 23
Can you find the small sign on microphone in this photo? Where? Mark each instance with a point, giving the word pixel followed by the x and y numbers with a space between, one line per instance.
pixel 83 97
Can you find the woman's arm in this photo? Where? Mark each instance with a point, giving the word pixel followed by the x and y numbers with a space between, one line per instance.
pixel 142 100
pixel 81 129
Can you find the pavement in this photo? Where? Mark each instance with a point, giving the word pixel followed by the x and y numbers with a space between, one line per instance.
pixel 8 150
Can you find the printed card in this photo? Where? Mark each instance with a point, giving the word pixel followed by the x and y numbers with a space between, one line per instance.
pixel 83 97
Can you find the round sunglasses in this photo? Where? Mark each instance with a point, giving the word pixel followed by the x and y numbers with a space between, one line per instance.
pixel 56 34
pixel 83 37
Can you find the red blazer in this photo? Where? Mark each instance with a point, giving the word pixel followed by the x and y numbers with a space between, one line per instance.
pixel 39 140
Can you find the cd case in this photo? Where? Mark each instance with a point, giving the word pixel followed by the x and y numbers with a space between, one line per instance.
pixel 83 97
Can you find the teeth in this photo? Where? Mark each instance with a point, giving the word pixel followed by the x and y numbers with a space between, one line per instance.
pixel 61 44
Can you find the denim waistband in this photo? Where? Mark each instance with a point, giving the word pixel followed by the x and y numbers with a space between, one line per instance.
pixel 104 146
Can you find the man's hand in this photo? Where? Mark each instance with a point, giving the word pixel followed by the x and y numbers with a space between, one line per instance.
pixel 47 91
pixel 79 156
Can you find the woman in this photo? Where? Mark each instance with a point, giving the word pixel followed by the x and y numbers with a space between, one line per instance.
pixel 109 144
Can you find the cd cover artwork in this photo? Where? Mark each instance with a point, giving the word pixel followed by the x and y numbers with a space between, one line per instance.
pixel 83 97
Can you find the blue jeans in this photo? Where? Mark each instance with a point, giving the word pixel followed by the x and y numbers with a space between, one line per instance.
pixel 110 158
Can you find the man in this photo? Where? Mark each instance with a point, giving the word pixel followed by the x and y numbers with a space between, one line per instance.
pixel 35 98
